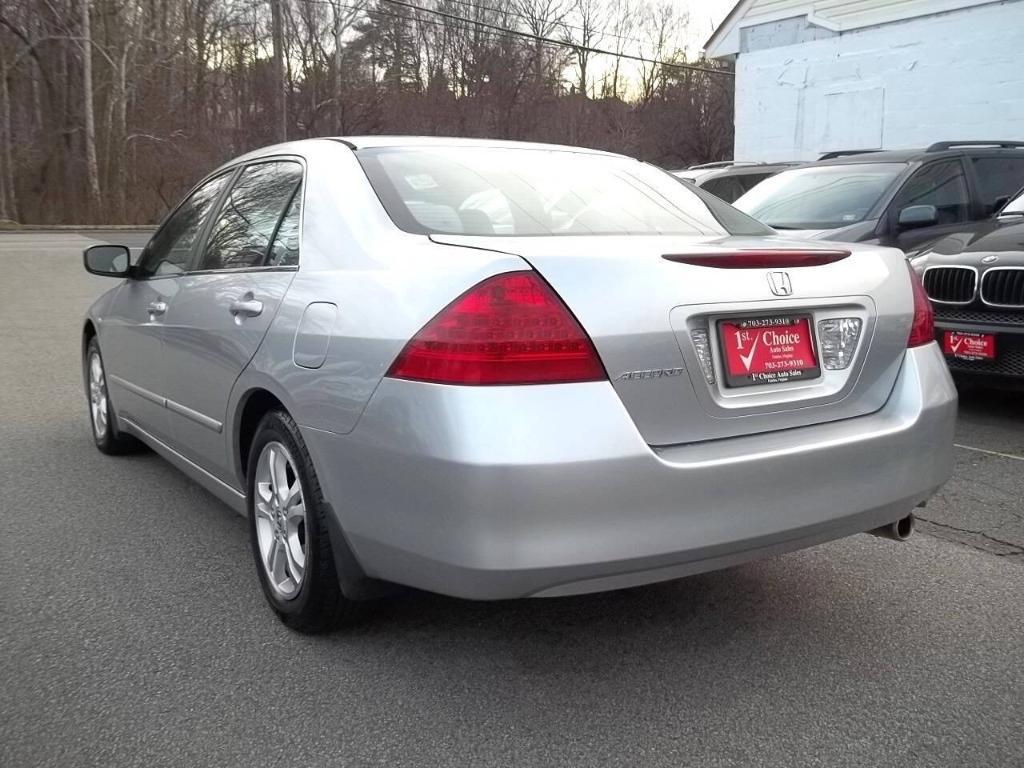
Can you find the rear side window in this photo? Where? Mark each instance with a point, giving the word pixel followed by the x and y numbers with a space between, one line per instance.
pixel 940 184
pixel 170 250
pixel 285 250
pixel 522 192
pixel 998 179
pixel 248 221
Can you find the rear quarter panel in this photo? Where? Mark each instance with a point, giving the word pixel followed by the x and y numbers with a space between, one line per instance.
pixel 385 283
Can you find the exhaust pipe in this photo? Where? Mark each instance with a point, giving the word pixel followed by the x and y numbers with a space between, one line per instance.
pixel 898 531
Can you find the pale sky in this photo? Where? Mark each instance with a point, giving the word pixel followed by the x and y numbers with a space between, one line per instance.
pixel 705 15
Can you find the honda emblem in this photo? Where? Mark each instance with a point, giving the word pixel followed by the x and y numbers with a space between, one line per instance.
pixel 779 283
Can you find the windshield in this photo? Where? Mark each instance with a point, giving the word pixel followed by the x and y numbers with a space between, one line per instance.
pixel 820 197
pixel 500 191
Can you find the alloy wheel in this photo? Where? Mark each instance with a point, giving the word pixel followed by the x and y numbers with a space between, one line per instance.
pixel 98 396
pixel 280 511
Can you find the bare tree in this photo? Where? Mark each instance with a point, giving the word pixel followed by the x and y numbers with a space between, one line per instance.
pixel 589 20
pixel 662 26
pixel 109 109
pixel 544 19
pixel 88 111
pixel 281 94
pixel 343 18
pixel 624 15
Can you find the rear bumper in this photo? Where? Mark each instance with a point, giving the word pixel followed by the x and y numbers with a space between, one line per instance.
pixel 536 491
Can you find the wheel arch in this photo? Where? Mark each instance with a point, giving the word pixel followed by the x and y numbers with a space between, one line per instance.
pixel 88 333
pixel 256 399
pixel 256 403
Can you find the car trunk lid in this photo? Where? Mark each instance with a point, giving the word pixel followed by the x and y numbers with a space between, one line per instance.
pixel 651 303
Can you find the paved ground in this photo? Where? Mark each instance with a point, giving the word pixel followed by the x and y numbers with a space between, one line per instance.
pixel 132 631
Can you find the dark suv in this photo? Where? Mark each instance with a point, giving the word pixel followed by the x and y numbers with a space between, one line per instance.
pixel 902 198
pixel 975 279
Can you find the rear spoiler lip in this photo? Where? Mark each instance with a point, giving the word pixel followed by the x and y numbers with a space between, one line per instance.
pixel 769 258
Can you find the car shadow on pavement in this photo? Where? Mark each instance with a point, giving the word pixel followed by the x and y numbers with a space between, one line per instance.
pixel 1000 404
pixel 711 607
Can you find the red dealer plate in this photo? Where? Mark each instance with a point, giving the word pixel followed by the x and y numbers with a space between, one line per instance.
pixel 768 350
pixel 964 345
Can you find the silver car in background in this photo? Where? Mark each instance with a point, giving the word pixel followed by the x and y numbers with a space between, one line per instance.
pixel 499 370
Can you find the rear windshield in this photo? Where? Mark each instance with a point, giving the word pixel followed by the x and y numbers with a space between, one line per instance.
pixel 498 191
pixel 820 197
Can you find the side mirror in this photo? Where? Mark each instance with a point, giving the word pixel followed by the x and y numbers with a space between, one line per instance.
pixel 914 216
pixel 108 260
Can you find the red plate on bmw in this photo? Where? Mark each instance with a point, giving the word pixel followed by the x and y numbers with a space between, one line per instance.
pixel 768 350
pixel 964 345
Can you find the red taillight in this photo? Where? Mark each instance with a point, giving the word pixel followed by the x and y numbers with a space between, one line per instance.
pixel 509 329
pixel 759 259
pixel 922 330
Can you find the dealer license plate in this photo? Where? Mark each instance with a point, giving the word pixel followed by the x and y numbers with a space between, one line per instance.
pixel 768 350
pixel 964 345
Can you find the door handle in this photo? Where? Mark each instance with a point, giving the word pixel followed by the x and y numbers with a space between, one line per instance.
pixel 246 307
pixel 157 308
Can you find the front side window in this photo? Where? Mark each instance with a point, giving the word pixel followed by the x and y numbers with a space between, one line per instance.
pixel 243 232
pixel 170 250
pixel 940 184
pixel 820 196
pixel 998 179
pixel 522 192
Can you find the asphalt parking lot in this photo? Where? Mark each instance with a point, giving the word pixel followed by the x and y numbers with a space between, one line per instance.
pixel 133 632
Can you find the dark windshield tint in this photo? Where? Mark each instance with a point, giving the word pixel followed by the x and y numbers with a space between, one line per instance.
pixel 820 197
pixel 998 179
pixel 525 192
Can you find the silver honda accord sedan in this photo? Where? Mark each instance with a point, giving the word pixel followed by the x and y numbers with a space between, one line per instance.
pixel 496 370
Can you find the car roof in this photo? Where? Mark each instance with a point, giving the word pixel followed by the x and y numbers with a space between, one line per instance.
pixel 369 142
pixel 747 170
pixel 738 169
pixel 912 155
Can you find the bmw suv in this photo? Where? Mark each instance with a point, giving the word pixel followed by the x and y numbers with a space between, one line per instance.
pixel 975 280
pixel 902 198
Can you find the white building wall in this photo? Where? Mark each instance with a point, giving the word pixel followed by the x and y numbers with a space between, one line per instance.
pixel 957 75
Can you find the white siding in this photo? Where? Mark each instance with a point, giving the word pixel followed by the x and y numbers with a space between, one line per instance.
pixel 835 15
pixel 954 76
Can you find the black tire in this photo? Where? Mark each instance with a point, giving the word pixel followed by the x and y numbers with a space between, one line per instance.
pixel 106 437
pixel 318 605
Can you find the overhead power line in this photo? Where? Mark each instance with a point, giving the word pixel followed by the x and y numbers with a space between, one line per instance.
pixel 539 38
pixel 548 22
pixel 553 41
pixel 442 25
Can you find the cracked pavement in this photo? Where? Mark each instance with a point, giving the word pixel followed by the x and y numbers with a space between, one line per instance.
pixel 982 506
